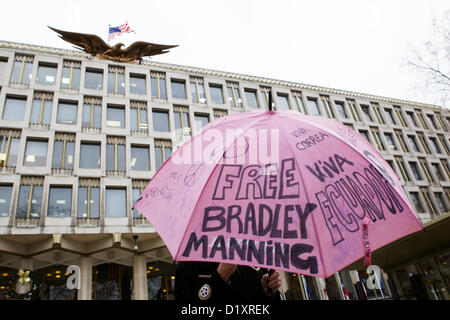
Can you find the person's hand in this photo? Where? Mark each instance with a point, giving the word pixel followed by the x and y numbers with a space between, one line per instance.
pixel 272 281
pixel 225 270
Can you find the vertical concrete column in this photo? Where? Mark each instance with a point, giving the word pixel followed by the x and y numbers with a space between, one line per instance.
pixel 140 291
pixel 85 291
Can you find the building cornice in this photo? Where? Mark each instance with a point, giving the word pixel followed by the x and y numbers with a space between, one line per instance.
pixel 216 73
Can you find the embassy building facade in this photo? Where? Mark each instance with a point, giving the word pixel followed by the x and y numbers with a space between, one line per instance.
pixel 81 137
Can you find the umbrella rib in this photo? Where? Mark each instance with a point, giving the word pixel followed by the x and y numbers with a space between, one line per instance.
pixel 307 199
pixel 212 173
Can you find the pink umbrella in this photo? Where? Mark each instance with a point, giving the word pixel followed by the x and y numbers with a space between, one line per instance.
pixel 279 190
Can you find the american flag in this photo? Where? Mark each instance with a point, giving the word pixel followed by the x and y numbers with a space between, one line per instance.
pixel 124 28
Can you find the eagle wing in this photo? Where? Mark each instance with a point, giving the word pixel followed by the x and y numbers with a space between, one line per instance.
pixel 89 43
pixel 140 49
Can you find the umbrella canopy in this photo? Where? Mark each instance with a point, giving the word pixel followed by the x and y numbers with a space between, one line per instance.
pixel 278 190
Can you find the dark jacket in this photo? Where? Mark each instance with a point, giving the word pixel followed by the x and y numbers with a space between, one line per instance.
pixel 199 281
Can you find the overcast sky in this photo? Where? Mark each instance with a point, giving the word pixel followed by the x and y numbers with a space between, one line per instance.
pixel 355 45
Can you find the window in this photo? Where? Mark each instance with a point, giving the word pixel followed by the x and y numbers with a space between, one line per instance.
pixel 158 85
pixel 3 65
pixel 390 116
pixel 115 154
pixel 353 110
pixel 178 88
pixel 313 107
pixel 437 170
pixel 327 104
pixel 22 69
pixel 416 202
pixel 41 111
pixel 216 93
pixel 400 165
pixel 432 121
pixel 424 144
pixel 398 111
pixel 92 113
pixel 219 113
pixel 390 141
pixel 88 206
pixel 364 134
pixel 138 188
pixel 163 150
pixel 67 112
pixel 71 72
pixel 399 135
pixel 377 138
pixel 9 148
pixel 46 74
pixel 435 145
pixel 445 166
pixel 116 80
pixel 93 79
pixel 160 121
pixel 35 153
pixel 413 143
pixel 140 158
pixel 138 114
pixel 424 166
pixel 415 170
pixel 441 121
pixel 63 151
pixel 181 117
pixel 115 116
pixel 197 90
pixel 59 202
pixel 366 113
pixel 14 108
pixel 341 109
pixel 443 143
pixel 265 91
pixel 411 119
pixel 440 201
pixel 283 101
pixel 422 122
pixel 89 155
pixel 376 110
pixel 426 195
pixel 5 199
pixel 116 203
pixel 200 121
pixel 30 198
pixel 299 101
pixel 250 96
pixel 234 97
pixel 138 84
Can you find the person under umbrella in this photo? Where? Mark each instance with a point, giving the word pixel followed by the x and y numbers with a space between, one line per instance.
pixel 219 282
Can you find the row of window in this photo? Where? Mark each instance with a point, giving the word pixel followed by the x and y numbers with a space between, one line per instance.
pixel 31 189
pixel 67 111
pixel 36 151
pixel 397 141
pixel 116 85
pixel 431 171
pixel 30 198
pixel 426 196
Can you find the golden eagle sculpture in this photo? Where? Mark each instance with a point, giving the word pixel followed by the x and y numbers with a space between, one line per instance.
pixel 94 45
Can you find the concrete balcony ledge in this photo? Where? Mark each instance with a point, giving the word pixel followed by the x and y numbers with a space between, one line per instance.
pixel 88 222
pixel 112 173
pixel 62 172
pixel 27 223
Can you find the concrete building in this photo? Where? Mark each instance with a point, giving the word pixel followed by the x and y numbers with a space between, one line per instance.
pixel 81 137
